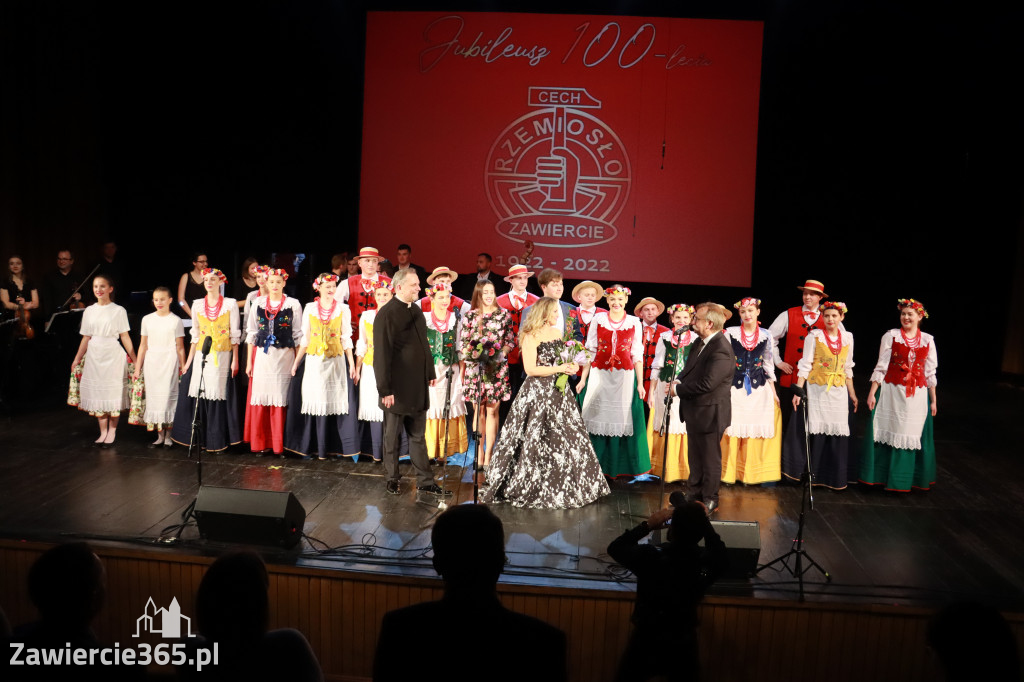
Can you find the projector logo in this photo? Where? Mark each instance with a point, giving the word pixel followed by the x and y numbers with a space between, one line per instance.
pixel 558 176
pixel 166 622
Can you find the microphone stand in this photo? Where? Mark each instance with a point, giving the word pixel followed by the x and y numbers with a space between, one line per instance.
pixel 196 444
pixel 478 429
pixel 445 416
pixel 799 554
pixel 665 422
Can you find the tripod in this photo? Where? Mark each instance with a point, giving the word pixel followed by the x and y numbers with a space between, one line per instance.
pixel 799 554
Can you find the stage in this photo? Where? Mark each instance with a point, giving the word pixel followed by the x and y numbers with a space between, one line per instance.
pixel 911 551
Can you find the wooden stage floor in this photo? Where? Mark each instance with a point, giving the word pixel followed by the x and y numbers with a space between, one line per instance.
pixel 960 540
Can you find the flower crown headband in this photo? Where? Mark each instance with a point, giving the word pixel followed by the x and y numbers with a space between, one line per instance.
pixel 438 287
pixel 911 303
pixel 277 271
pixel 215 271
pixel 384 284
pixel 618 289
pixel 681 307
pixel 324 279
pixel 834 305
pixel 749 300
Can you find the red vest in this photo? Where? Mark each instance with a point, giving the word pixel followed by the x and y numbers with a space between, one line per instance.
pixel 505 301
pixel 902 372
pixel 649 349
pixel 620 357
pixel 585 326
pixel 796 333
pixel 360 300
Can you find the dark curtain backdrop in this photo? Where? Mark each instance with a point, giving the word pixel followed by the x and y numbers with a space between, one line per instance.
pixel 889 158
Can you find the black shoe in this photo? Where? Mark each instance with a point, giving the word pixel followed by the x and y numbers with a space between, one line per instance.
pixel 392 487
pixel 712 506
pixel 434 489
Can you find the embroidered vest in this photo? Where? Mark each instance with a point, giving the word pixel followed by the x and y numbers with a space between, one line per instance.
pixel 276 333
pixel 905 370
pixel 219 329
pixel 795 336
pixel 750 372
pixel 360 300
pixel 442 346
pixel 827 369
pixel 324 339
pixel 618 357
pixel 675 360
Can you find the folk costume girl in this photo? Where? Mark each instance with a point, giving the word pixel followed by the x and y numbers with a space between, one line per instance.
pixel 669 359
pixel 323 370
pixel 487 339
pixel 273 328
pixel 611 389
pixel 752 445
pixel 370 415
pixel 444 326
pixel 899 447
pixel 161 357
pixel 216 317
pixel 103 387
pixel 825 371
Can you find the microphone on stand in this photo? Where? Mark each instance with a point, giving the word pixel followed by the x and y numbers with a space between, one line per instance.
pixel 207 345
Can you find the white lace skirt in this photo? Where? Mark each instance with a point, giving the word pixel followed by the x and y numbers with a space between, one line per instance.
pixel 753 416
pixel 607 406
pixel 899 420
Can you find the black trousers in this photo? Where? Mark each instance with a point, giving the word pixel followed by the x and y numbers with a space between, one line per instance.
pixel 704 452
pixel 416 426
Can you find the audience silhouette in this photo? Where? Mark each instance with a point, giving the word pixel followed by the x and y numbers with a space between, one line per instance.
pixel 469 554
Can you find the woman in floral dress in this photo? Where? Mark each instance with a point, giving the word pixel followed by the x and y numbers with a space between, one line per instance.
pixel 487 338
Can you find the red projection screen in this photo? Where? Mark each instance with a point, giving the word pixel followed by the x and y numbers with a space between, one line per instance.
pixel 623 147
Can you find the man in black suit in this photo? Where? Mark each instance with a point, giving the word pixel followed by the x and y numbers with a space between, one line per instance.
pixel 469 553
pixel 483 272
pixel 705 405
pixel 404 369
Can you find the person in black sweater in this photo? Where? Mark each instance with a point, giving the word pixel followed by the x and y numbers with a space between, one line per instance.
pixel 671 579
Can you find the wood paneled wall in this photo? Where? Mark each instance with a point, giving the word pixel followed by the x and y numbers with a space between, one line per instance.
pixel 340 612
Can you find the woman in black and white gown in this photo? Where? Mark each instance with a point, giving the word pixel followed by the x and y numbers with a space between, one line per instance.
pixel 544 457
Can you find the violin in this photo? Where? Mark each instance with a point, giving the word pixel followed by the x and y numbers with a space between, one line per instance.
pixel 23 330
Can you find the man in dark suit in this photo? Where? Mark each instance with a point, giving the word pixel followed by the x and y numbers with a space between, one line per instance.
pixel 469 553
pixel 483 272
pixel 404 369
pixel 705 405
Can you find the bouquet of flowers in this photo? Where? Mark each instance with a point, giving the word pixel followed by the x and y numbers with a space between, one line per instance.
pixel 487 352
pixel 572 351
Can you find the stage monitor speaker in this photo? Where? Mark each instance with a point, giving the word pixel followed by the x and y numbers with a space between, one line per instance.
pixel 257 517
pixel 743 541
